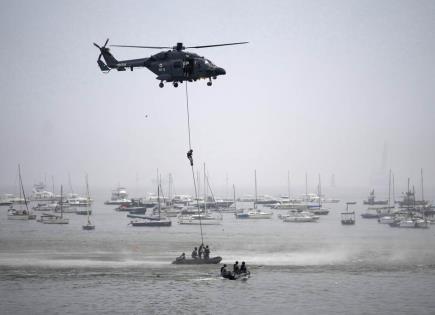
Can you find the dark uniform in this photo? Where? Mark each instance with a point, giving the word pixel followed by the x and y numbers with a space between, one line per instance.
pixel 206 252
pixel 236 269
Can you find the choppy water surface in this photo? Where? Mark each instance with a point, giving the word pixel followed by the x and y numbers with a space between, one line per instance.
pixel 307 268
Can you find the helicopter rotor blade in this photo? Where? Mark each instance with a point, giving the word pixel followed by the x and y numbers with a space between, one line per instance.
pixel 150 47
pixel 97 46
pixel 107 40
pixel 217 45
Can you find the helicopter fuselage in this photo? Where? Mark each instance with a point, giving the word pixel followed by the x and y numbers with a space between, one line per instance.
pixel 170 66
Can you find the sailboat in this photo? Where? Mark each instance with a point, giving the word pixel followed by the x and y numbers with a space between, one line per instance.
pixel 55 219
pixel 157 221
pixel 253 213
pixel 319 210
pixel 20 214
pixel 88 225
pixel 204 218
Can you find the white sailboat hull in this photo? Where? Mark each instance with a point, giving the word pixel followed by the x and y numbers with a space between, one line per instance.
pixel 18 217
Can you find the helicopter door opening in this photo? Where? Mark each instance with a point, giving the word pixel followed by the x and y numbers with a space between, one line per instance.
pixel 188 66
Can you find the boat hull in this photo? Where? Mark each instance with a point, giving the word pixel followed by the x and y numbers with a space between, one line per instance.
pixel 152 223
pixel 18 217
pixel 191 261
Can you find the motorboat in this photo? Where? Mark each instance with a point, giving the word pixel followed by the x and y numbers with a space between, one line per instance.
pixel 387 219
pixel 253 214
pixel 40 194
pixel 6 199
pixel 53 219
pixel 151 223
pixel 119 197
pixel 45 207
pixel 75 200
pixel 202 218
pixel 61 207
pixel 319 211
pixel 82 211
pixel 414 223
pixel 299 217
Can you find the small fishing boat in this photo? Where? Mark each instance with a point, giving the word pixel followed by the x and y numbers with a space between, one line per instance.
pixel 240 276
pixel 348 218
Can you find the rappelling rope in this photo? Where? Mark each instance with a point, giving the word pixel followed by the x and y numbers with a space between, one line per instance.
pixel 190 157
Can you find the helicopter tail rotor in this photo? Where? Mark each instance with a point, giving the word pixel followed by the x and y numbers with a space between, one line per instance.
pixel 104 52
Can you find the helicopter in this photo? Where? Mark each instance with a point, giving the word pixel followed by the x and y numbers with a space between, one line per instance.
pixel 175 65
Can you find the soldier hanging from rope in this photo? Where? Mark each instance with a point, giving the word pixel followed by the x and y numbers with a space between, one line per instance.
pixel 189 156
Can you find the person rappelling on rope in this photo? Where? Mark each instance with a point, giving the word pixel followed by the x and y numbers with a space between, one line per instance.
pixel 189 156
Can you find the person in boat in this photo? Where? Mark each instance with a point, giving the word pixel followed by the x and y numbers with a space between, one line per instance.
pixel 224 270
pixel 201 251
pixel 226 274
pixel 207 252
pixel 243 268
pixel 181 257
pixel 195 253
pixel 236 269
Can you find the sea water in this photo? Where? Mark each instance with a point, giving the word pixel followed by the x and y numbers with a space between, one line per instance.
pixel 297 268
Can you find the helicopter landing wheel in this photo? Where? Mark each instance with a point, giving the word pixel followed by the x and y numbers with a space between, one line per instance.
pixel 209 83
pixel 175 84
pixel 161 84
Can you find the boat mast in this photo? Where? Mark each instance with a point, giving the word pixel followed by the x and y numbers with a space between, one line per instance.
pixel 22 188
pixel 61 195
pixel 52 184
pixel 205 192
pixel 320 193
pixel 288 185
pixel 255 178
pixel 234 197
pixel 88 197
pixel 306 187
pixel 394 193
pixel 158 198
pixel 422 191
pixel 389 191
pixel 169 189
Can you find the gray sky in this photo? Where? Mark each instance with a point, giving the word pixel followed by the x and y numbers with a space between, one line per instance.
pixel 321 87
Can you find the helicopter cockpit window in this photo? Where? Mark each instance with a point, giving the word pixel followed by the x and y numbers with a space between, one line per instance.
pixel 208 62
